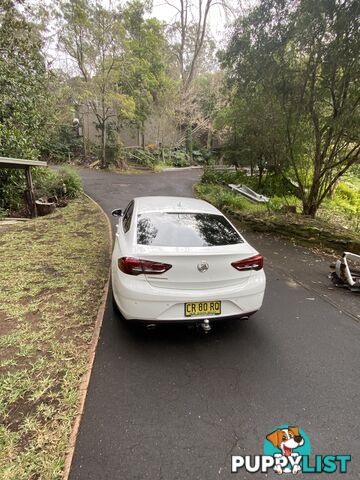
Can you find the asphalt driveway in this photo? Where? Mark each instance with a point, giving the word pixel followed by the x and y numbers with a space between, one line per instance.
pixel 175 404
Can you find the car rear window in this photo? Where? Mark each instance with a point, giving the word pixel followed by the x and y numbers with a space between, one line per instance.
pixel 185 230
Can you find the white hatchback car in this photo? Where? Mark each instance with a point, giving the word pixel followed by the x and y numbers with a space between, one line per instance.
pixel 180 260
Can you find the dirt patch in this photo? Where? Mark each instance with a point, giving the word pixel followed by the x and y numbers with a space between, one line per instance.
pixel 42 295
pixel 6 325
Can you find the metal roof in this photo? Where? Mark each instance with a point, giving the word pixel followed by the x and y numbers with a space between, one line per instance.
pixel 20 162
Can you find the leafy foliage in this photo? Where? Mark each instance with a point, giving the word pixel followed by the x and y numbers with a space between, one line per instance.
pixel 61 145
pixel 23 84
pixel 12 187
pixel 144 75
pixel 94 38
pixel 342 209
pixel 66 182
pixel 224 198
pixel 294 75
pixel 156 158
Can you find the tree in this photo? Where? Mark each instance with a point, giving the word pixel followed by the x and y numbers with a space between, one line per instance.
pixel 192 43
pixel 194 49
pixel 208 91
pixel 94 38
pixel 23 84
pixel 23 97
pixel 144 71
pixel 304 59
pixel 252 128
pixel 62 136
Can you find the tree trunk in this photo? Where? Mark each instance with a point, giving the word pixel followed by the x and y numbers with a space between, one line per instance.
pixel 333 189
pixel 209 139
pixel 251 168
pixel 85 147
pixel 189 142
pixel 261 171
pixel 311 200
pixel 310 208
pixel 142 130
pixel 103 145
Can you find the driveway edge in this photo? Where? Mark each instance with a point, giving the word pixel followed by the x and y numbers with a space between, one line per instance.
pixel 84 384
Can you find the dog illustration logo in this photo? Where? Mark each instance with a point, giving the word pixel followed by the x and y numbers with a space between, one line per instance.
pixel 287 440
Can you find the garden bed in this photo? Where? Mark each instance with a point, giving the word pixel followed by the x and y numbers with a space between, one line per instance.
pixel 260 218
pixel 53 273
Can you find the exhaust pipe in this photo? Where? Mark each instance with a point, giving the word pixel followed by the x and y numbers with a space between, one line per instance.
pixel 206 325
pixel 150 326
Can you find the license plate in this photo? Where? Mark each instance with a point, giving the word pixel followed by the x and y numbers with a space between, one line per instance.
pixel 202 308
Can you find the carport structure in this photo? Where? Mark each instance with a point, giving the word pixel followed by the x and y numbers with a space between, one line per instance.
pixel 6 162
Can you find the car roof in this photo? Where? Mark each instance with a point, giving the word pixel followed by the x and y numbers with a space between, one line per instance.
pixel 173 204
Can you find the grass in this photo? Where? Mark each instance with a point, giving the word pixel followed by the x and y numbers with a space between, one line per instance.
pixel 53 270
pixel 160 166
pixel 344 207
pixel 341 211
pixel 336 226
pixel 224 197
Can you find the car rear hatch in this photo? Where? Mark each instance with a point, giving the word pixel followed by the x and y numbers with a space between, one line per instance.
pixel 199 269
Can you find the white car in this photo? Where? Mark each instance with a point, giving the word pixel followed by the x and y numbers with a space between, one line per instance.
pixel 179 259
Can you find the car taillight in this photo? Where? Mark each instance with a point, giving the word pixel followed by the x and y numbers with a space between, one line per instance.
pixel 136 266
pixel 252 263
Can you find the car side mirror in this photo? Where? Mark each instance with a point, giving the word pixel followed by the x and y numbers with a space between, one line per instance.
pixel 117 212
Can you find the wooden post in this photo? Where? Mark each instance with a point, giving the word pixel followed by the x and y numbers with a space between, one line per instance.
pixel 30 194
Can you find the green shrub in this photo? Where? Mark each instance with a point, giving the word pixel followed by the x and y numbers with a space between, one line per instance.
pixel 66 182
pixel 113 149
pixel 45 182
pixel 179 158
pixel 223 177
pixel 348 193
pixel 223 197
pixel 152 158
pixel 272 184
pixel 277 185
pixel 12 188
pixel 62 144
pixel 3 212
pixel 144 157
pixel 200 156
pixel 72 181
pixel 277 203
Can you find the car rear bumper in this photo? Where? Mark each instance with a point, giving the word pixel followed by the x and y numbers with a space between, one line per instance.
pixel 139 301
pixel 193 320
